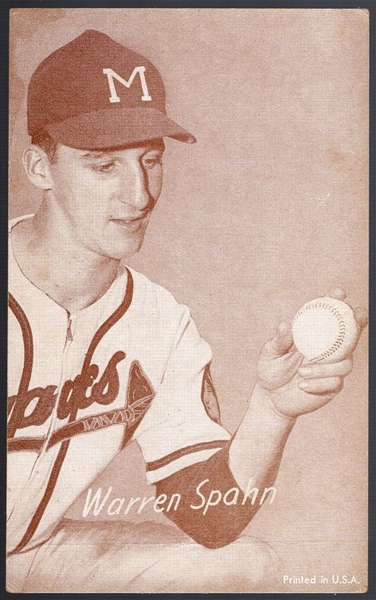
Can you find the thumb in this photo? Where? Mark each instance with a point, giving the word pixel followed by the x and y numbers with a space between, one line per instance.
pixel 282 341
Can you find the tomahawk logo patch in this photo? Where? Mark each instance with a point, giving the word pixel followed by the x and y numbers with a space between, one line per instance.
pixel 209 397
pixel 139 396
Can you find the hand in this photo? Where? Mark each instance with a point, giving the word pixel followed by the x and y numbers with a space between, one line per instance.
pixel 294 386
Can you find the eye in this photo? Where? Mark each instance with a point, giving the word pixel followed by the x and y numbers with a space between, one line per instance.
pixel 149 162
pixel 106 167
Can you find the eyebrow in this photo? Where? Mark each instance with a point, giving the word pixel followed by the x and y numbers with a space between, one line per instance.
pixel 93 154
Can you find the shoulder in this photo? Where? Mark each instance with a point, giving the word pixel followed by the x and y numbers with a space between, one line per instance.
pixel 150 296
pixel 156 311
pixel 22 221
pixel 163 331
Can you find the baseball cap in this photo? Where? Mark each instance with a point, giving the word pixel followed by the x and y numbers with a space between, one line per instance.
pixel 95 93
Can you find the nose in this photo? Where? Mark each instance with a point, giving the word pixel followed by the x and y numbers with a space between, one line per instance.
pixel 134 189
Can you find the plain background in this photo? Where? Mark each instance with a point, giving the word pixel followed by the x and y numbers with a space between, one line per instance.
pixel 268 210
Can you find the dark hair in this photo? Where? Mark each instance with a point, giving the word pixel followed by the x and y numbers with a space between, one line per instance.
pixel 45 141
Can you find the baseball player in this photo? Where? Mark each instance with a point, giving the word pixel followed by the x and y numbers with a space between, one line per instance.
pixel 99 354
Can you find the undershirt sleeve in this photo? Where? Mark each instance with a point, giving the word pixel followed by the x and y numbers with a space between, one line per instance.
pixel 222 523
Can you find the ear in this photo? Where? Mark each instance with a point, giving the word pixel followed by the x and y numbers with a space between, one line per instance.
pixel 37 167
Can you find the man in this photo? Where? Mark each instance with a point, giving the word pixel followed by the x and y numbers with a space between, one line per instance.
pixel 100 355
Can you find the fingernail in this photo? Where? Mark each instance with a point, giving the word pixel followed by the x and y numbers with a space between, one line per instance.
pixel 305 371
pixel 303 385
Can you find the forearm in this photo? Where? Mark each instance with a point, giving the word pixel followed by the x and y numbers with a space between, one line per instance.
pixel 257 446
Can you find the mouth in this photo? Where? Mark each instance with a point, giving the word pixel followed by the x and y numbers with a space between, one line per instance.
pixel 129 222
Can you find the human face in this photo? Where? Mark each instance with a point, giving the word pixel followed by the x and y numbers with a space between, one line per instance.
pixel 104 198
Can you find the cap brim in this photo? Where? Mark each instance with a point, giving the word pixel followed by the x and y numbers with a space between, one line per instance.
pixel 109 128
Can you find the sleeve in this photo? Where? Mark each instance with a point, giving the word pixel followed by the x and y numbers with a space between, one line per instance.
pixel 181 427
pixel 212 509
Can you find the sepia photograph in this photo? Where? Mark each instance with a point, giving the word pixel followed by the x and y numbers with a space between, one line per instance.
pixel 188 294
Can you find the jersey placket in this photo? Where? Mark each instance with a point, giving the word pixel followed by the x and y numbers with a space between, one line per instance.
pixel 64 375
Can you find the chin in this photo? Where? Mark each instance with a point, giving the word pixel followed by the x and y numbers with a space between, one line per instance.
pixel 122 252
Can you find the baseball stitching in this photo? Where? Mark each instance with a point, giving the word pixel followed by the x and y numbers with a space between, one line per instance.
pixel 341 326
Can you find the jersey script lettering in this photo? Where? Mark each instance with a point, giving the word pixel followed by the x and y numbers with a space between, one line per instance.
pixel 76 394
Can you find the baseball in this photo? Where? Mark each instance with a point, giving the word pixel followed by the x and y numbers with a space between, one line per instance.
pixel 325 330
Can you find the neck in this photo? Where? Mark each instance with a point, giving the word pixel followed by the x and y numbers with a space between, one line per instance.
pixel 73 277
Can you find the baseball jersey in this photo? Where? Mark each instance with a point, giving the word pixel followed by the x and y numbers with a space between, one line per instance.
pixel 131 366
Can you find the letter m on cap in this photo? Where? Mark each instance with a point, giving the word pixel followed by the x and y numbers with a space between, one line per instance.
pixel 111 75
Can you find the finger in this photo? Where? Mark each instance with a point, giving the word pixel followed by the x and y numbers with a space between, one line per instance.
pixel 361 317
pixel 282 341
pixel 331 385
pixel 326 370
pixel 337 293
